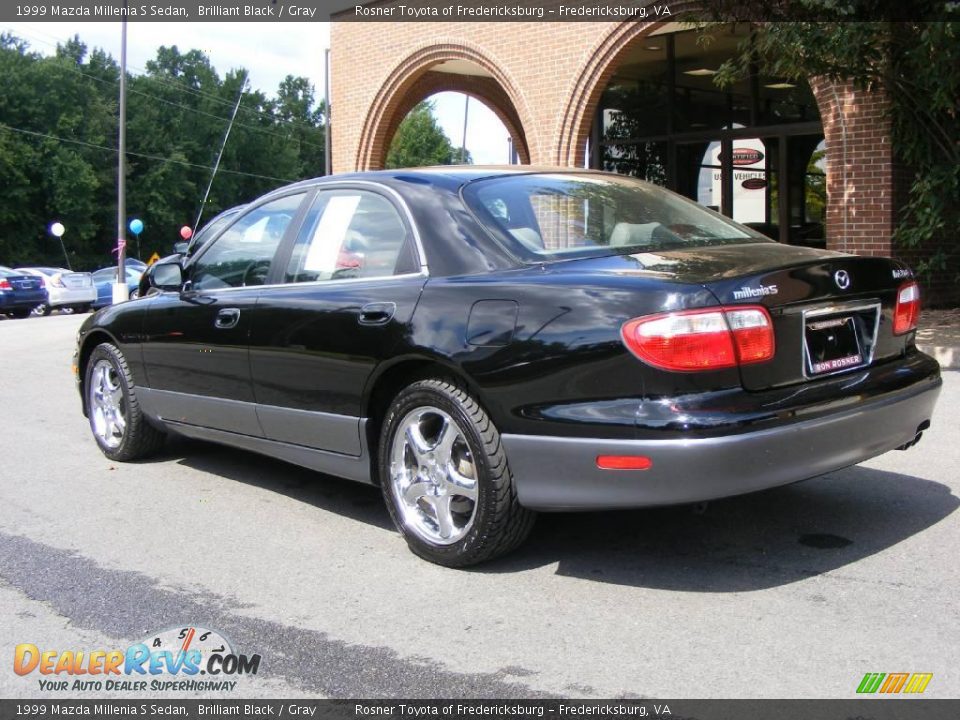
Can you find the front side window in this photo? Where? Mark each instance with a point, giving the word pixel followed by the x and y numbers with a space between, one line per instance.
pixel 566 215
pixel 350 234
pixel 243 253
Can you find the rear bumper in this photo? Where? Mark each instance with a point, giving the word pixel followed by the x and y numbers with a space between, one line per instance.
pixel 72 296
pixel 560 473
pixel 22 299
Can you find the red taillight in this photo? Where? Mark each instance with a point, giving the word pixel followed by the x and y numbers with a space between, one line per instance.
pixel 907 314
pixel 5 284
pixel 707 339
pixel 42 283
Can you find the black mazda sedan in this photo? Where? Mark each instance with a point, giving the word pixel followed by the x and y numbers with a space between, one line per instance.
pixel 485 343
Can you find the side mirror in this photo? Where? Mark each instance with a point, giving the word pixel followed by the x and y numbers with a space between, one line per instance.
pixel 180 248
pixel 166 276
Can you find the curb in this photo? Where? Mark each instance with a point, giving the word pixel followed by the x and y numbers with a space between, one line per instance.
pixel 948 357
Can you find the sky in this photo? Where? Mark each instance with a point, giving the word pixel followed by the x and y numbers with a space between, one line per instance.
pixel 270 52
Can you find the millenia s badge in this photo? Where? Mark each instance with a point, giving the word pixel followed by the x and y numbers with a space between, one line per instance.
pixel 749 292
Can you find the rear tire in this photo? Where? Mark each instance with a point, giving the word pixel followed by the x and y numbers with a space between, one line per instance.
pixel 20 313
pixel 42 310
pixel 116 420
pixel 445 477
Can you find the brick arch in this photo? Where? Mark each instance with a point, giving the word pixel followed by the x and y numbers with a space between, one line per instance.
pixel 600 62
pixel 412 80
pixel 838 104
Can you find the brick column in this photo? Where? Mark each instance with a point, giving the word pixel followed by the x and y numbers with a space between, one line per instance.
pixel 861 170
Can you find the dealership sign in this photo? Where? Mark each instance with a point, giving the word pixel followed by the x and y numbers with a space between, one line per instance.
pixel 743 156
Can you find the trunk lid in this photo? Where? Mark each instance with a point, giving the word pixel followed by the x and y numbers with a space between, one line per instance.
pixel 24 282
pixel 827 307
pixel 76 280
pixel 831 314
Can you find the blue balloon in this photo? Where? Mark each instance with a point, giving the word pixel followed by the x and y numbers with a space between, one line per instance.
pixel 136 226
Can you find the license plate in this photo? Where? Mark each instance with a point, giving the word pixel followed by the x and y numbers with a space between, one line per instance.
pixel 832 345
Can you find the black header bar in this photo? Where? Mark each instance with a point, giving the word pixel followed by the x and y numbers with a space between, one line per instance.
pixel 477 10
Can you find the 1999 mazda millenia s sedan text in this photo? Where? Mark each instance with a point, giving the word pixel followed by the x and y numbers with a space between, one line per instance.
pixel 486 343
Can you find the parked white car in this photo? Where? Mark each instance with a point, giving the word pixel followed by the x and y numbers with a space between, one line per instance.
pixel 66 289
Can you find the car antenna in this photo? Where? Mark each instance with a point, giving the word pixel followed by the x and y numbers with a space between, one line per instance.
pixel 226 135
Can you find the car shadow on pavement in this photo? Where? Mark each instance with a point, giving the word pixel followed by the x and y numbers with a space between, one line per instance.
pixel 750 542
pixel 344 497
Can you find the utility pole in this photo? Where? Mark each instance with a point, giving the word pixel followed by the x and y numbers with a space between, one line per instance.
pixel 463 144
pixel 120 291
pixel 327 157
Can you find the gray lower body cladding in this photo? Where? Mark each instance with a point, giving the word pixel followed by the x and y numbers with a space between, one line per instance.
pixel 561 473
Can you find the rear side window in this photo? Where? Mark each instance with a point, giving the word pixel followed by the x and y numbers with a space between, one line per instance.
pixel 350 234
pixel 554 216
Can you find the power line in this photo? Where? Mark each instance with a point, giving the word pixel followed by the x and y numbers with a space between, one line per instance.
pixel 140 155
pixel 253 128
pixel 200 93
pixel 180 86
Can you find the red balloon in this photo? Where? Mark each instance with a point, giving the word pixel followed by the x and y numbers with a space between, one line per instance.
pixel 186 232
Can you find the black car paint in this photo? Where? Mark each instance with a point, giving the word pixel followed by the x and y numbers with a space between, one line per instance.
pixel 538 343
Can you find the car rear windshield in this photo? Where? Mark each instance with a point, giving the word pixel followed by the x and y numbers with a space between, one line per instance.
pixel 563 215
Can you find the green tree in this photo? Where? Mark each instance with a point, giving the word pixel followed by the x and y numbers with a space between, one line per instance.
pixel 420 141
pixel 916 63
pixel 58 134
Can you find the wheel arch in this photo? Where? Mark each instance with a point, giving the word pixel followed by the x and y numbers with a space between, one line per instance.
pixel 95 337
pixel 389 379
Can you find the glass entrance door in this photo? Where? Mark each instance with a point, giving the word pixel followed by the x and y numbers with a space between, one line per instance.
pixel 740 177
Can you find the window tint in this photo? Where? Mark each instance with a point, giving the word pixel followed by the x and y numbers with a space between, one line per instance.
pixel 111 274
pixel 210 230
pixel 350 234
pixel 555 216
pixel 241 256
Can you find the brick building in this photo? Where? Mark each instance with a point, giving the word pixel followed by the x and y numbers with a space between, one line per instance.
pixel 806 163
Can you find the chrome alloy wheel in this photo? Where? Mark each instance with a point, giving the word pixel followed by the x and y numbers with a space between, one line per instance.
pixel 108 406
pixel 433 476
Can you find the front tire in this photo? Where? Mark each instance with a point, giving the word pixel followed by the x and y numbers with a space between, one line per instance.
pixel 445 477
pixel 42 310
pixel 116 420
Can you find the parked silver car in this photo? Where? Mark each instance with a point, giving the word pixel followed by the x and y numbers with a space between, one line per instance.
pixel 66 289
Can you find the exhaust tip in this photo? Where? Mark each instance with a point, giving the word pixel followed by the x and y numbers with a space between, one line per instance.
pixel 920 428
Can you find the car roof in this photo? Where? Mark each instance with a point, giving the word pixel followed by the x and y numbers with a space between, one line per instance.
pixel 45 270
pixel 449 177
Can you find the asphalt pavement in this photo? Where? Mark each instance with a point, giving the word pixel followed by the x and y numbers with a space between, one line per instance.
pixel 793 592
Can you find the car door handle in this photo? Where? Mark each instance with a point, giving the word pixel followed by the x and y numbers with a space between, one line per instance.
pixel 227 318
pixel 377 313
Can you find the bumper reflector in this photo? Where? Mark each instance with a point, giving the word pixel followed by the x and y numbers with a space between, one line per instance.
pixel 624 462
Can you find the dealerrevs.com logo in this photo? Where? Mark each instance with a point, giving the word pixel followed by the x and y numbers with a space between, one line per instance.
pixel 187 659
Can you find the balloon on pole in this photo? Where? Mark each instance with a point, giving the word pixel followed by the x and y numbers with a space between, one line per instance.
pixel 186 232
pixel 57 230
pixel 136 227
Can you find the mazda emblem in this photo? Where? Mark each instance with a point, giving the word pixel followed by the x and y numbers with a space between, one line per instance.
pixel 842 279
